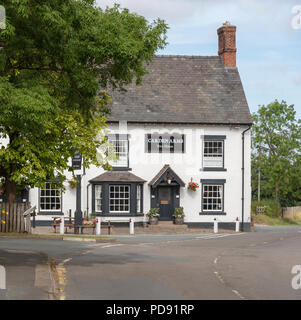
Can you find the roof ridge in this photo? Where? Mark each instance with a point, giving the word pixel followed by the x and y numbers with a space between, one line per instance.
pixel 185 56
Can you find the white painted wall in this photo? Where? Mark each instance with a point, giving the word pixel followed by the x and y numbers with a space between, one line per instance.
pixel 187 166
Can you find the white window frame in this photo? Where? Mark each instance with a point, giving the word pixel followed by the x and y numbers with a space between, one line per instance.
pixel 121 146
pixel 98 197
pixel 116 189
pixel 213 159
pixel 43 195
pixel 213 197
pixel 139 198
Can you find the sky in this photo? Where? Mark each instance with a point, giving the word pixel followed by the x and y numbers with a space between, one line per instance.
pixel 268 39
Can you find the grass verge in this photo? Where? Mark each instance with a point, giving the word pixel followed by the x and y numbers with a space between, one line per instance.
pixel 275 221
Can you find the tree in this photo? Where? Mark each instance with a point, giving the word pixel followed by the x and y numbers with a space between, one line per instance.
pixel 276 144
pixel 57 58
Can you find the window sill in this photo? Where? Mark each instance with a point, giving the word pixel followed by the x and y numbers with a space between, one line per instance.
pixel 50 213
pixel 121 214
pixel 212 213
pixel 121 169
pixel 213 169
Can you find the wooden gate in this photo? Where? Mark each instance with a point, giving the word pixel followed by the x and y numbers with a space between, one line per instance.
pixel 11 217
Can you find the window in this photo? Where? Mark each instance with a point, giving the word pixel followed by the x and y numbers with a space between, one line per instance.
pixel 50 198
pixel 98 197
pixel 213 154
pixel 139 198
pixel 212 197
pixel 119 198
pixel 120 144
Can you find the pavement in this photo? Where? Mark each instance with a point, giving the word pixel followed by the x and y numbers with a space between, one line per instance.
pixel 229 266
pixel 163 228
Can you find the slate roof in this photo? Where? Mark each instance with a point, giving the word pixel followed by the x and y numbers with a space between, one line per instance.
pixel 117 176
pixel 184 89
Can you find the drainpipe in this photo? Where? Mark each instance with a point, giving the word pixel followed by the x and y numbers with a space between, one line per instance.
pixel 88 185
pixel 243 179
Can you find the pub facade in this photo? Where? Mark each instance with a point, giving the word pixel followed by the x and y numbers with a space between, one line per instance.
pixel 189 121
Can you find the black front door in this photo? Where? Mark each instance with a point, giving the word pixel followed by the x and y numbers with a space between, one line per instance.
pixel 165 202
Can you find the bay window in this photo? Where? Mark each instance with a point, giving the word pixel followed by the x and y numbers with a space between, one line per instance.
pixel 139 198
pixel 98 197
pixel 119 198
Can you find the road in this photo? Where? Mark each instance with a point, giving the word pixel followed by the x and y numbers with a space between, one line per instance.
pixel 241 266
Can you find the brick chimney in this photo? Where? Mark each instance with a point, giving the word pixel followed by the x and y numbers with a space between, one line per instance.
pixel 227 44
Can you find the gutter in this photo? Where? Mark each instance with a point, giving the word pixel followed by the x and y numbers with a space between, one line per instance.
pixel 243 178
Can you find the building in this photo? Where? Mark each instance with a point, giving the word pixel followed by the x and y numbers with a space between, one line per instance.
pixel 188 122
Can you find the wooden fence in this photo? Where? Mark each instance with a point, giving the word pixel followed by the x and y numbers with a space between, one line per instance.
pixel 12 219
pixel 259 210
pixel 291 212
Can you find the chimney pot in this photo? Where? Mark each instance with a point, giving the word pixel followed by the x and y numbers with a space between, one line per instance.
pixel 227 44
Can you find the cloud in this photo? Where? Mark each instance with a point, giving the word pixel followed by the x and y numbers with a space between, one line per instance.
pixel 271 14
pixel 268 46
pixel 196 21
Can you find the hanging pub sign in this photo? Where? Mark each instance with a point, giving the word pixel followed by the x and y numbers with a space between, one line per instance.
pixel 165 143
pixel 77 161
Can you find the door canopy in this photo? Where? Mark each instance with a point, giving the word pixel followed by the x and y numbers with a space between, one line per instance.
pixel 165 177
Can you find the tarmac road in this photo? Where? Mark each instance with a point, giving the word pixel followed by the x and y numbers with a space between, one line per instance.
pixel 255 265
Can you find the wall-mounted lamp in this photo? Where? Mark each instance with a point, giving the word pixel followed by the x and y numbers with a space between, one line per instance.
pixel 169 178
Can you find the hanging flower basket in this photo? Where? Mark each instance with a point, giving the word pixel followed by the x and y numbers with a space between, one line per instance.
pixel 72 183
pixel 193 186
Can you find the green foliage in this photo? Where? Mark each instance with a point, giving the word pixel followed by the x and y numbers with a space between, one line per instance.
pixel 56 60
pixel 179 212
pixel 153 213
pixel 276 152
pixel 73 183
pixel 92 216
pixel 272 207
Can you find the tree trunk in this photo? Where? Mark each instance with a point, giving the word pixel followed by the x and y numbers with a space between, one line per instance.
pixel 10 191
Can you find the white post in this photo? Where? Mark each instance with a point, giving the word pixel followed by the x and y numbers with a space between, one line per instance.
pixel 132 226
pixel 215 226
pixel 98 226
pixel 62 225
pixel 2 278
pixel 237 225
